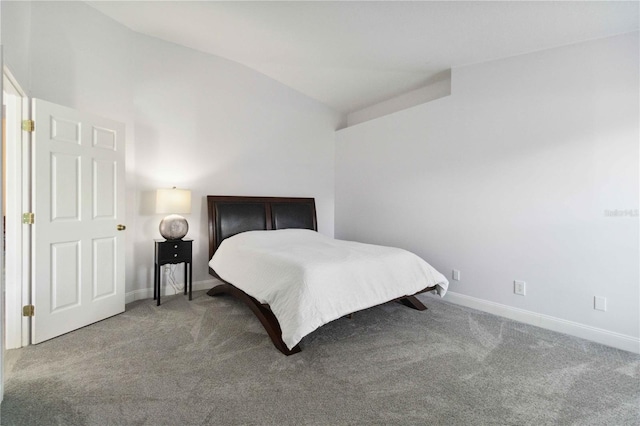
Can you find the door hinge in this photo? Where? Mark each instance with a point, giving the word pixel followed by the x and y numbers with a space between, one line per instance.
pixel 28 125
pixel 28 218
pixel 28 311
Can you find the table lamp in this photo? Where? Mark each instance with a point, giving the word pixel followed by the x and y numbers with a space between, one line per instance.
pixel 173 202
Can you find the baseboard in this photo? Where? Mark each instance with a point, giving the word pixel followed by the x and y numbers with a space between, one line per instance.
pixel 598 335
pixel 147 293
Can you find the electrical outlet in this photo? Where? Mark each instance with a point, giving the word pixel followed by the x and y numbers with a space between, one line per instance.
pixel 599 303
pixel 520 287
pixel 455 275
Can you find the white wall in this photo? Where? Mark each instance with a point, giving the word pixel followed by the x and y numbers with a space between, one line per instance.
pixel 193 120
pixel 219 128
pixel 82 59
pixel 509 179
pixel 15 27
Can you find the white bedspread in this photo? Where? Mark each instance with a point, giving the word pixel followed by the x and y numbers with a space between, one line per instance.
pixel 309 279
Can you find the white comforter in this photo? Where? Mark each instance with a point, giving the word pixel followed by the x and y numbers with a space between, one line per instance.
pixel 309 279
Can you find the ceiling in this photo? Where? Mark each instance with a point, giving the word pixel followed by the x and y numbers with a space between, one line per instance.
pixel 352 54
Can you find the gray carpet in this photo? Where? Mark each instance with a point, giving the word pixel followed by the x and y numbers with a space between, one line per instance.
pixel 210 362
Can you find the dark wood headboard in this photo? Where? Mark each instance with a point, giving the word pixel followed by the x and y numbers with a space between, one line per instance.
pixel 230 215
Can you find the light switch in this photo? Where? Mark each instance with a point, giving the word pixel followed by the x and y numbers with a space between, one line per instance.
pixel 600 303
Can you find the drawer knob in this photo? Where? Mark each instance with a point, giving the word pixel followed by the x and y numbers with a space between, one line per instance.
pixel 175 255
pixel 176 246
pixel 121 227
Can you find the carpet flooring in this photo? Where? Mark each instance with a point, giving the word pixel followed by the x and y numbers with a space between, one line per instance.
pixel 209 362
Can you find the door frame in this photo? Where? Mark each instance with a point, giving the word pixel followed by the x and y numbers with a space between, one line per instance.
pixel 18 201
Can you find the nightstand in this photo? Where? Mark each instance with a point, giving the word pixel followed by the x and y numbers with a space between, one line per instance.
pixel 172 251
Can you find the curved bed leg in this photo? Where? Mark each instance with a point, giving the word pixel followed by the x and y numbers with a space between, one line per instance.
pixel 264 314
pixel 412 302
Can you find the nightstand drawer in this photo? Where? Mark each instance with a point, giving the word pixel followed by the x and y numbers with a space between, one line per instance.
pixel 174 251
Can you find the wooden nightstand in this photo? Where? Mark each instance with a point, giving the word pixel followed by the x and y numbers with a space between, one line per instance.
pixel 172 251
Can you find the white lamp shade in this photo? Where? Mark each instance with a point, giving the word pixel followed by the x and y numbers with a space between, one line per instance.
pixel 173 201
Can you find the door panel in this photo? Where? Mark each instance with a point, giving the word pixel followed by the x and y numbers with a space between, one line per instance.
pixel 78 253
pixel 104 138
pixel 65 275
pixel 104 259
pixel 65 186
pixel 104 184
pixel 66 131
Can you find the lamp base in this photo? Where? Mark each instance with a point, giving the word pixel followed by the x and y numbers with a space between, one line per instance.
pixel 174 227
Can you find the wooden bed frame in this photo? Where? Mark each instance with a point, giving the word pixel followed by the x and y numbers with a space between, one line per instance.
pixel 230 215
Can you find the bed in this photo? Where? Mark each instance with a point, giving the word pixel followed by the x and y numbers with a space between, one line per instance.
pixel 267 253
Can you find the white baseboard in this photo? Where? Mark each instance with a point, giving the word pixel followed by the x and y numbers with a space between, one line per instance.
pixel 167 290
pixel 605 337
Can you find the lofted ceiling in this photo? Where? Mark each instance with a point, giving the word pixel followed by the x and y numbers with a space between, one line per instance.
pixel 352 54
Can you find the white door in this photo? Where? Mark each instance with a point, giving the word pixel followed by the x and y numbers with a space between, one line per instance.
pixel 78 206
